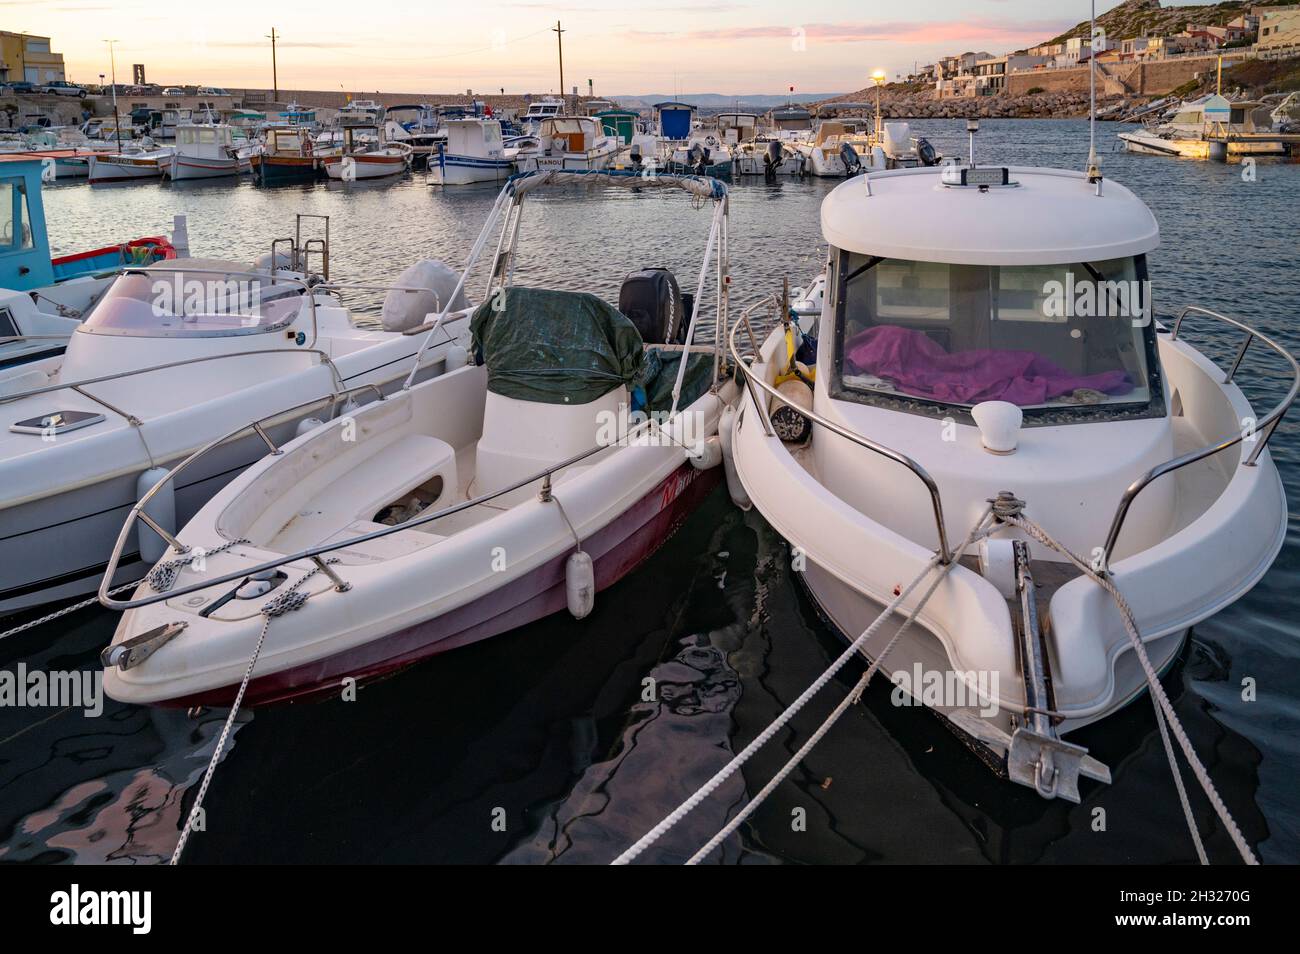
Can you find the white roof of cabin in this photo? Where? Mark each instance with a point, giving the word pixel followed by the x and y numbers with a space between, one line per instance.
pixel 1052 217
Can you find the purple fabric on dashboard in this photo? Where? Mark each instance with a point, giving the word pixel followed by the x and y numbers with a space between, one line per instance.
pixel 917 365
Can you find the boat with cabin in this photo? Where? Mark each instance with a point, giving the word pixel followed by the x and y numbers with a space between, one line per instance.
pixel 366 152
pixel 1213 127
pixel 569 143
pixel 474 152
pixel 983 364
pixel 287 154
pixel 207 151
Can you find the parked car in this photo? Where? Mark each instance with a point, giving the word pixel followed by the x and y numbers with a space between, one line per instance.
pixel 174 91
pixel 62 88
pixel 212 91
pixel 20 86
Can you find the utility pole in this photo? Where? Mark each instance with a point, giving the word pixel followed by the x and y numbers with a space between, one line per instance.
pixel 275 79
pixel 112 63
pixel 559 38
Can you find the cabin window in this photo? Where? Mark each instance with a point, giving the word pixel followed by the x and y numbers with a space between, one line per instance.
pixel 1060 341
pixel 15 231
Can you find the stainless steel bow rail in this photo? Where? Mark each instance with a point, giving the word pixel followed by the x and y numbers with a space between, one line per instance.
pixel 315 553
pixel 752 380
pixel 1258 435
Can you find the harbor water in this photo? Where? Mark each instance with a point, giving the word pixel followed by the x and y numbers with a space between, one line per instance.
pixel 543 744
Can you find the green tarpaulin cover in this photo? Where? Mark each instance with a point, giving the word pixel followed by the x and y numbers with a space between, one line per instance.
pixel 660 375
pixel 555 347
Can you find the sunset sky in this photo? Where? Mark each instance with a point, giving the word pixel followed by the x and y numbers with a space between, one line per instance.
pixel 661 46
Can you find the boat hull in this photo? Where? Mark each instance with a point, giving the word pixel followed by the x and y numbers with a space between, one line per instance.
pixel 181 168
pixel 467 170
pixel 617 549
pixel 271 169
pixel 120 169
pixel 365 167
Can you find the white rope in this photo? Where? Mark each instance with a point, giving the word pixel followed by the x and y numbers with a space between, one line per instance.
pixel 1161 700
pixel 854 695
pixel 286 602
pixel 682 810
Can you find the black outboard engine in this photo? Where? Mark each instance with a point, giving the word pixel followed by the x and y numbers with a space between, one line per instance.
pixel 698 158
pixel 926 152
pixel 849 156
pixel 771 161
pixel 652 301
pixel 635 156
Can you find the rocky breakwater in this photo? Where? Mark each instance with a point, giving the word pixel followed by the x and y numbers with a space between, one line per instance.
pixel 923 105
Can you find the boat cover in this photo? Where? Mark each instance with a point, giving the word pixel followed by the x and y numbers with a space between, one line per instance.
pixel 661 374
pixel 555 347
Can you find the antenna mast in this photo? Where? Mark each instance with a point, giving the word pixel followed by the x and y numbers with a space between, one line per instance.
pixel 1094 173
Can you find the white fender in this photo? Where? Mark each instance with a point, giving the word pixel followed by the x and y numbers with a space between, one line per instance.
pixel 161 509
pixel 726 424
pixel 580 584
pixel 308 424
pixel 705 454
pixel 457 357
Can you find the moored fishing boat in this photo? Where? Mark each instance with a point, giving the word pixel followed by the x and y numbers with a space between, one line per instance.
pixel 206 152
pixel 568 143
pixel 287 154
pixel 473 152
pixel 366 153
pixel 143 163
pixel 456 509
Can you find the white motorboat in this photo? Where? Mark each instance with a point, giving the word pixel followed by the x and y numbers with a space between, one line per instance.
pixel 571 144
pixel 42 296
pixel 1212 127
pixel 367 153
pixel 838 149
pixel 456 509
pixel 989 338
pixel 538 111
pixel 144 161
pixel 206 152
pixel 171 357
pixel 767 155
pixel 473 153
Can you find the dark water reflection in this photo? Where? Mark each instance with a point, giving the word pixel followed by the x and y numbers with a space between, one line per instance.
pixel 546 727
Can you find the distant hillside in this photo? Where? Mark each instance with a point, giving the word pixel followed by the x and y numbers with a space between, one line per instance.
pixel 1148 17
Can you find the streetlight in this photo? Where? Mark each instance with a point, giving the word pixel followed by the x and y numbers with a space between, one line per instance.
pixel 878 77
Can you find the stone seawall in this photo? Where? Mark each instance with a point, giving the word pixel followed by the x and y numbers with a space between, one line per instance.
pixel 1155 78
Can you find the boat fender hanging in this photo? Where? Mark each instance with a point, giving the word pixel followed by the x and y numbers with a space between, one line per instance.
pixel 580 584
pixel 161 509
pixel 457 357
pixel 726 438
pixel 307 424
pixel 998 564
pixel 705 454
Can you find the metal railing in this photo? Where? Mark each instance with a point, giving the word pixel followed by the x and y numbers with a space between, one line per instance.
pixel 316 552
pixel 1259 434
pixel 752 380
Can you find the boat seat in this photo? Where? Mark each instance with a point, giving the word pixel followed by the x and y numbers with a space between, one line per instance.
pixel 383 478
pixel 398 469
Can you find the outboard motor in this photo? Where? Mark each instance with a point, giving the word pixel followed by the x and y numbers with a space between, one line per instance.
pixel 926 152
pixel 852 162
pixel 635 156
pixel 771 161
pixel 652 301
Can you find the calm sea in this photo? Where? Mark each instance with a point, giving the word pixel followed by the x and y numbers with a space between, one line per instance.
pixel 545 726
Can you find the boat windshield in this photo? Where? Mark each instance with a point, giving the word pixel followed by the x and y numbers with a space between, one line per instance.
pixel 1060 341
pixel 193 304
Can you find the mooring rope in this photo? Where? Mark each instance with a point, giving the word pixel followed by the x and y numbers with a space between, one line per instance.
pixel 286 602
pixel 1159 698
pixel 682 810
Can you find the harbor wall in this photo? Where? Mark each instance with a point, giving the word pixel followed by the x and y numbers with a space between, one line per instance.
pixel 1154 78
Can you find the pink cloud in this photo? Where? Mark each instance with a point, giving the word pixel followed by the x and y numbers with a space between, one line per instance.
pixel 956 32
